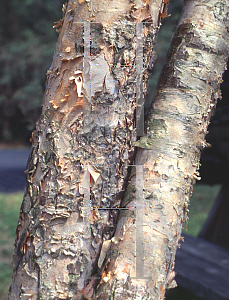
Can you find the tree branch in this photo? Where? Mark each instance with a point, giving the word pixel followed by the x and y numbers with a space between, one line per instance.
pixel 169 154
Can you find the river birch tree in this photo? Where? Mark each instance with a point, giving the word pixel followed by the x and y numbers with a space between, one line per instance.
pixel 72 242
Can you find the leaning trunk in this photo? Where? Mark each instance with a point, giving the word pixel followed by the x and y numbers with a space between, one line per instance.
pixel 82 146
pixel 167 160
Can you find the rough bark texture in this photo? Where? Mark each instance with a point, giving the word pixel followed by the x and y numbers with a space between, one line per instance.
pixel 81 148
pixel 170 153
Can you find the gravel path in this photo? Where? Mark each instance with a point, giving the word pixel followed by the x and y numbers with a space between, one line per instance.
pixel 12 166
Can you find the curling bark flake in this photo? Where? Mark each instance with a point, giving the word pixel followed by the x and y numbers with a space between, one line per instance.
pixel 169 153
pixel 81 148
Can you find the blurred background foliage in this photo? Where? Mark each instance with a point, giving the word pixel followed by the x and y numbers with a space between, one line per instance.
pixel 28 41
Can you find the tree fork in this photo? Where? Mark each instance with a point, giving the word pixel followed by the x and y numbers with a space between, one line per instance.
pixel 81 148
pixel 169 155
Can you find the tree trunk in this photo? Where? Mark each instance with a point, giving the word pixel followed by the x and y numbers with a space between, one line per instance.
pixel 167 160
pixel 82 146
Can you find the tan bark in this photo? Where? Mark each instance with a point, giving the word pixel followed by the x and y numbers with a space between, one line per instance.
pixel 169 153
pixel 81 148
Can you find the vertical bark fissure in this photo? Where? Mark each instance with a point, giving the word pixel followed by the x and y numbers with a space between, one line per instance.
pixel 55 257
pixel 170 152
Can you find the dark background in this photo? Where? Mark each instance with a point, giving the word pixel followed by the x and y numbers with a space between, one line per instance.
pixel 27 44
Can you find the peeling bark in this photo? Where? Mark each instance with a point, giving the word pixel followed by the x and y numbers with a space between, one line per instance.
pixel 81 148
pixel 169 154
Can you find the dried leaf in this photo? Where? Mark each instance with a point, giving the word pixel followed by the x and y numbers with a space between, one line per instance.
pixel 95 175
pixel 72 7
pixel 78 105
pixel 105 247
pixel 171 283
pixel 94 215
pixel 163 15
pixel 58 23
pixel 63 295
pixel 88 290
pixel 55 106
pixel 68 49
